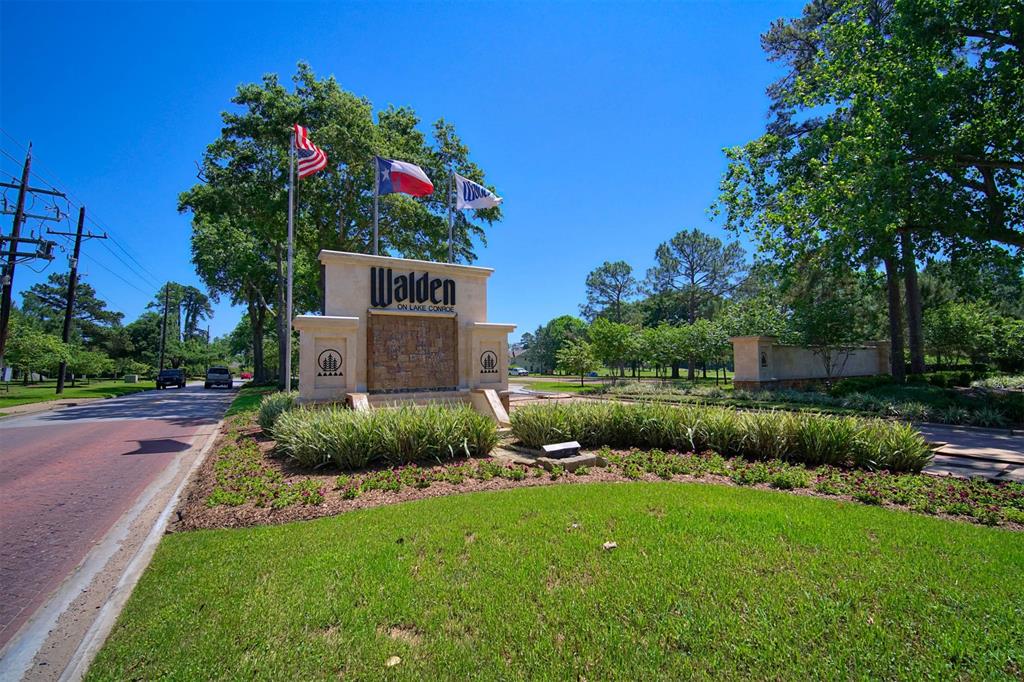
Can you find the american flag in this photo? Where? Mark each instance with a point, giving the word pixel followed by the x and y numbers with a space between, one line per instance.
pixel 311 158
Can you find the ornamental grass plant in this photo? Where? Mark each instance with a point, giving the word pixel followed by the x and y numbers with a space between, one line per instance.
pixel 808 438
pixel 316 436
pixel 273 406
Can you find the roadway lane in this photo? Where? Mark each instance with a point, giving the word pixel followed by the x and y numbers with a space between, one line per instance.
pixel 67 476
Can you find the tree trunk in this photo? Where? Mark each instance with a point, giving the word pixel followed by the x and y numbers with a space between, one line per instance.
pixel 282 326
pixel 256 321
pixel 675 369
pixel 892 284
pixel 915 334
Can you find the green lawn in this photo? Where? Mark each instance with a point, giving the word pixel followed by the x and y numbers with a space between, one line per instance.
pixel 248 399
pixel 46 390
pixel 706 582
pixel 561 384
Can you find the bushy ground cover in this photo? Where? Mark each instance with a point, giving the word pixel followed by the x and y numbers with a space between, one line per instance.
pixel 1015 382
pixel 44 391
pixel 243 476
pixel 808 438
pixel 920 401
pixel 705 582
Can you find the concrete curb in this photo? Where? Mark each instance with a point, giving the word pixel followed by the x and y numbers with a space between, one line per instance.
pixel 97 633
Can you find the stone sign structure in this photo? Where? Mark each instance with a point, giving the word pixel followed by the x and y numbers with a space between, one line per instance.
pixel 763 362
pixel 395 329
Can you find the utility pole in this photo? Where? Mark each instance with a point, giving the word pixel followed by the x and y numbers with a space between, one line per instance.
pixel 8 274
pixel 72 283
pixel 163 327
pixel 44 247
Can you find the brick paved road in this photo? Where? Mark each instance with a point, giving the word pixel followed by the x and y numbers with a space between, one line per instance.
pixel 67 476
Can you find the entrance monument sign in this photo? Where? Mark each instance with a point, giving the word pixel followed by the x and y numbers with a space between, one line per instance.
pixel 395 328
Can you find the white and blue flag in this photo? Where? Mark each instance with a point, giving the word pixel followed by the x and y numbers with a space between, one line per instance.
pixel 472 195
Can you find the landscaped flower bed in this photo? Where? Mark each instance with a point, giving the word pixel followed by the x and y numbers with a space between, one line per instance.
pixel 248 482
pixel 808 438
pixel 244 476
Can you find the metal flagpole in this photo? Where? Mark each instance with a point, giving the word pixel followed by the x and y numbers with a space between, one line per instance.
pixel 291 232
pixel 376 200
pixel 451 217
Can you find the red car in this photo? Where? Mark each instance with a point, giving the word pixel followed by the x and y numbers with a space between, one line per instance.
pixel 245 375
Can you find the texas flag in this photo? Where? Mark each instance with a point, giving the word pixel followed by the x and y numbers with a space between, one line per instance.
pixel 401 176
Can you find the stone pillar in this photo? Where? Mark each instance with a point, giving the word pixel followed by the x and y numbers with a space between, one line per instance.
pixel 487 364
pixel 884 349
pixel 328 356
pixel 753 359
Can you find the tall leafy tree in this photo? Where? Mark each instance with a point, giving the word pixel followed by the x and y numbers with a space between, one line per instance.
pixel 609 286
pixel 92 323
pixel 239 207
pixel 700 268
pixel 896 132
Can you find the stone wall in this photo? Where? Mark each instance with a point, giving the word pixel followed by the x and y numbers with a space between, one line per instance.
pixel 763 362
pixel 367 341
pixel 408 353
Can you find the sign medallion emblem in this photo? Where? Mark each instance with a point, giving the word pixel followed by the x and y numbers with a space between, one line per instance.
pixel 488 362
pixel 329 363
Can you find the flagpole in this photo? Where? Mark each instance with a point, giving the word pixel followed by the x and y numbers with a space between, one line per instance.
pixel 451 216
pixel 376 200
pixel 291 232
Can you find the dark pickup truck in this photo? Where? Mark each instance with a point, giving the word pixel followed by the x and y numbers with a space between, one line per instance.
pixel 170 377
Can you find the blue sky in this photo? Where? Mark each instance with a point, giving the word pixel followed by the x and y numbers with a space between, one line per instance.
pixel 601 124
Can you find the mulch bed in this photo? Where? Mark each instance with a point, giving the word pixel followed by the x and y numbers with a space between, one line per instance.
pixel 194 514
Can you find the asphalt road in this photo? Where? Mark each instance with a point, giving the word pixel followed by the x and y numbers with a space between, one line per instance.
pixel 67 476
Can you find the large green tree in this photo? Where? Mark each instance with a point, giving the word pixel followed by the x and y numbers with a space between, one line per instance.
pixel 700 268
pixel 896 132
pixel 239 208
pixel 609 287
pixel 92 323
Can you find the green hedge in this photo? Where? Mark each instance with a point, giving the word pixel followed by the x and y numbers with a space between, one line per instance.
pixel 812 439
pixel 393 435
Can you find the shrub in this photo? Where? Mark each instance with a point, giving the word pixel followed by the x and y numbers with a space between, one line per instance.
pixel 844 387
pixel 1001 381
pixel 988 416
pixel 393 435
pixel 808 438
pixel 273 406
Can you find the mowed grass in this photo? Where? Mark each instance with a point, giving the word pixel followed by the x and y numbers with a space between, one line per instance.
pixel 46 390
pixel 248 399
pixel 706 582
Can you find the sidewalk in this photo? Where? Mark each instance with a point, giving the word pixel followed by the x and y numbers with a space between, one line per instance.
pixel 969 451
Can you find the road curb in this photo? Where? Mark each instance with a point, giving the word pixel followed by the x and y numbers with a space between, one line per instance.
pixel 97 633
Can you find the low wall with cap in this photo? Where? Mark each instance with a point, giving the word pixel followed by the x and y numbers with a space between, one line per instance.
pixel 763 362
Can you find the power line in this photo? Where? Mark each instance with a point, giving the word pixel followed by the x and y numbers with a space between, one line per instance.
pixel 99 263
pixel 150 279
pixel 74 200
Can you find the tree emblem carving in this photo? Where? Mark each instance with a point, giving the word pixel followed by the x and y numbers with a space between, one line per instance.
pixel 488 362
pixel 329 362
